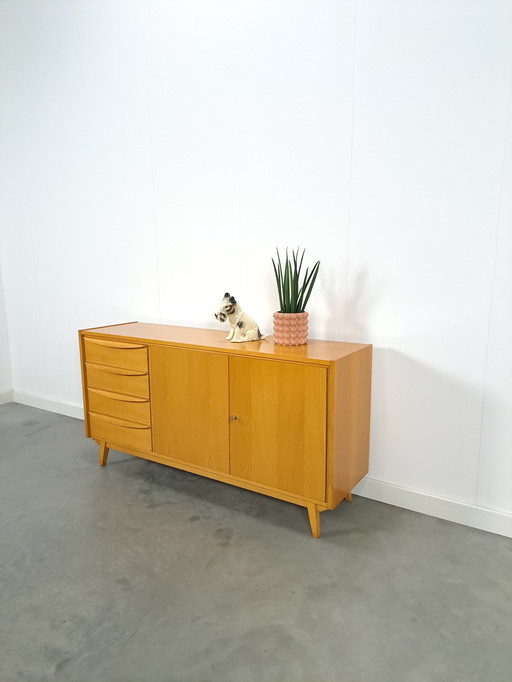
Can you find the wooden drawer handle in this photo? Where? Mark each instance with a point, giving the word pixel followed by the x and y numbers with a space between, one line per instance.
pixel 120 422
pixel 108 369
pixel 120 345
pixel 119 396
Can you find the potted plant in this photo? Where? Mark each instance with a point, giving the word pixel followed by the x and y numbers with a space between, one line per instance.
pixel 291 322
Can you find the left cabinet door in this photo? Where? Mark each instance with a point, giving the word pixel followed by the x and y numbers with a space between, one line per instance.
pixel 190 405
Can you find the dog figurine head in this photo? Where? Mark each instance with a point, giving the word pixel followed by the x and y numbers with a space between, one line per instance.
pixel 226 308
pixel 243 327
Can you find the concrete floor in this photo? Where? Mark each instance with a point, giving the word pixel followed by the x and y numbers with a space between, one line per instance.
pixel 140 572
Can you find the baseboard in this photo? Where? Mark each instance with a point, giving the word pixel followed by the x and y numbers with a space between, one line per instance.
pixel 406 498
pixel 442 508
pixel 59 406
pixel 6 397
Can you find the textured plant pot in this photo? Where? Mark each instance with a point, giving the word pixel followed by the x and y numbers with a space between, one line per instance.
pixel 290 329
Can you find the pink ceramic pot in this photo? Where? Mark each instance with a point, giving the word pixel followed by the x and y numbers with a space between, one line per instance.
pixel 290 329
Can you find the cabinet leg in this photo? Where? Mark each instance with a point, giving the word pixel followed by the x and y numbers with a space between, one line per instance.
pixel 348 497
pixel 103 453
pixel 314 519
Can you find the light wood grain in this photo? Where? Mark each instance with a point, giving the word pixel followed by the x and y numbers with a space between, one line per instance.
pixel 103 454
pixel 127 382
pixel 314 352
pixel 290 422
pixel 87 428
pixel 116 354
pixel 127 407
pixel 119 345
pixel 120 431
pixel 217 476
pixel 279 438
pixel 189 396
pixel 350 420
pixel 314 519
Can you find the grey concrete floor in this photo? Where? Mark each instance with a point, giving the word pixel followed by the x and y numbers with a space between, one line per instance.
pixel 140 572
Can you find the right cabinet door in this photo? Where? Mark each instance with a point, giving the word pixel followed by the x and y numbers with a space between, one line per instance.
pixel 278 427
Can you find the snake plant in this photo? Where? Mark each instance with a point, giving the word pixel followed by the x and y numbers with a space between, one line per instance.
pixel 293 291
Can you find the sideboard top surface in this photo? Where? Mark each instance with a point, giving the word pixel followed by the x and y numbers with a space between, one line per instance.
pixel 315 351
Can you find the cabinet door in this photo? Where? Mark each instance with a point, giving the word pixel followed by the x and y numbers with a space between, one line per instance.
pixel 189 398
pixel 278 438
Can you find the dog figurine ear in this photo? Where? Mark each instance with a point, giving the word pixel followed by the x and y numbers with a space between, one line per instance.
pixel 226 295
pixel 232 300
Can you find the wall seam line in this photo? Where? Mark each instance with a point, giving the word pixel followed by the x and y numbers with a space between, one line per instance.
pixel 493 278
pixel 349 212
pixel 151 163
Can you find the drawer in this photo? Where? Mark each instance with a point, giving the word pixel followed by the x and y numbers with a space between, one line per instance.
pixel 120 432
pixel 117 353
pixel 117 380
pixel 128 407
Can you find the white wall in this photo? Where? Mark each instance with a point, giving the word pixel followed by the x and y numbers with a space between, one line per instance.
pixel 153 154
pixel 5 354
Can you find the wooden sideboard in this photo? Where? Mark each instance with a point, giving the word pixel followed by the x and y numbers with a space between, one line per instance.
pixel 291 422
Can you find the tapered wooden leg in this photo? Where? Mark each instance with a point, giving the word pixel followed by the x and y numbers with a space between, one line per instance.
pixel 314 519
pixel 348 497
pixel 103 453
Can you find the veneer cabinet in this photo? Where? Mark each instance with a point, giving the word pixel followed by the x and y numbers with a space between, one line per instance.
pixel 291 422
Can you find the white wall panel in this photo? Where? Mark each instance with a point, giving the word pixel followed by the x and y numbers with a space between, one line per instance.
pixel 495 465
pixel 153 154
pixel 251 126
pixel 76 171
pixel 5 353
pixel 429 128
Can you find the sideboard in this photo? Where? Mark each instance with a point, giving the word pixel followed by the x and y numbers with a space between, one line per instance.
pixel 291 422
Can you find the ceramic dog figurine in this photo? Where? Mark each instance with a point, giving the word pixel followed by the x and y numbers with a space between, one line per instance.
pixel 243 327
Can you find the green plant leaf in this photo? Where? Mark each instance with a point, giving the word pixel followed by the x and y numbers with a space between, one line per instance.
pixel 293 291
pixel 301 297
pixel 311 284
pixel 279 283
pixel 286 285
